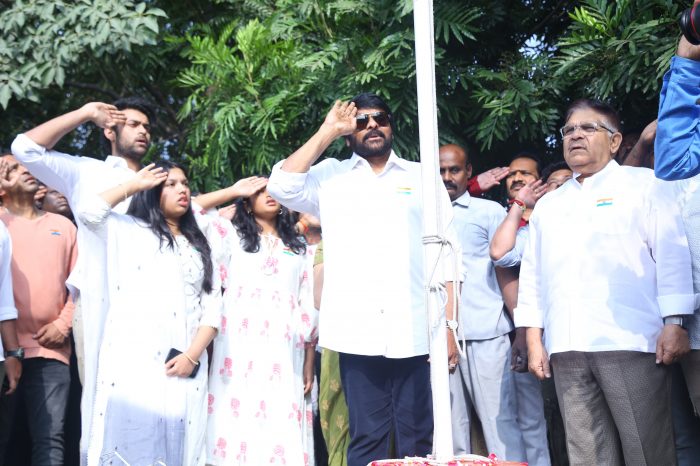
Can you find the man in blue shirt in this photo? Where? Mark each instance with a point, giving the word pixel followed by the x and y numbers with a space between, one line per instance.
pixel 677 145
pixel 677 157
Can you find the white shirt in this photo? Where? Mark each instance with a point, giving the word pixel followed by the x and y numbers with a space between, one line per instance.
pixel 373 299
pixel 688 196
pixel 481 314
pixel 513 257
pixel 8 311
pixel 606 260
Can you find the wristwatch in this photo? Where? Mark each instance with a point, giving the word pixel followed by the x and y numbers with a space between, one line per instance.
pixel 677 320
pixel 18 353
pixel 452 324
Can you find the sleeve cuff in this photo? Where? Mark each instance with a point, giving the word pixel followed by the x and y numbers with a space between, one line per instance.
pixel 527 318
pixel 8 313
pixel 678 304
pixel 509 259
pixel 94 212
pixel 685 70
pixel 287 182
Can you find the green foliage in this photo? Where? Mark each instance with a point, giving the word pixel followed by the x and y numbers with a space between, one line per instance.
pixel 619 46
pixel 240 84
pixel 41 39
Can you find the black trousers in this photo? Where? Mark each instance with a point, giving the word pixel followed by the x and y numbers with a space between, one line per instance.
pixel 387 398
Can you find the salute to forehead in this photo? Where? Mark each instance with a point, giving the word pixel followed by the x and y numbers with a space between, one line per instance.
pixel 130 136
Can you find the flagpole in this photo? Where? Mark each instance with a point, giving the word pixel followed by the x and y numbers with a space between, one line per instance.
pixel 427 123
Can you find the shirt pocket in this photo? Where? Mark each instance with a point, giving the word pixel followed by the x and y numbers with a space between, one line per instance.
pixel 611 217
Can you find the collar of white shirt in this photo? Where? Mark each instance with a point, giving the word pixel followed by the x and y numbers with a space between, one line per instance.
pixel 597 178
pixel 116 162
pixel 394 160
pixel 464 200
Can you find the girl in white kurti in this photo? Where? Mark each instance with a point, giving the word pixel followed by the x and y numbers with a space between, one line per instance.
pixel 163 294
pixel 262 366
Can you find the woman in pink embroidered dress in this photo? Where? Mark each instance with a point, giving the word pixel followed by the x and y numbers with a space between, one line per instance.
pixel 262 366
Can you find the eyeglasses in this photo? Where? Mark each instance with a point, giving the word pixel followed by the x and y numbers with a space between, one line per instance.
pixel 587 128
pixel 381 118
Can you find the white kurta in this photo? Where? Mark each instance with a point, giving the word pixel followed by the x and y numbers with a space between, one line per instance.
pixel 141 416
pixel 258 413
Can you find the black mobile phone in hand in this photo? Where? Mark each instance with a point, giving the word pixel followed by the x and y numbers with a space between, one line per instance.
pixel 174 352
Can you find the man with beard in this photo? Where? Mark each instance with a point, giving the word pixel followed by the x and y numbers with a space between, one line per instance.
pixel 373 303
pixel 524 168
pixel 127 131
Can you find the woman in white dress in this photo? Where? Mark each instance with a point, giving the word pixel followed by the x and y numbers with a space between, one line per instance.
pixel 163 295
pixel 262 366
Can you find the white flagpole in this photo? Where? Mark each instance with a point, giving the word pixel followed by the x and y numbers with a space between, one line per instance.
pixel 427 122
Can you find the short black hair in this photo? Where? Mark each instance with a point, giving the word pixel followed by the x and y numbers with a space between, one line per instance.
pixel 604 108
pixel 370 100
pixel 553 167
pixel 137 103
pixel 526 154
pixel 134 103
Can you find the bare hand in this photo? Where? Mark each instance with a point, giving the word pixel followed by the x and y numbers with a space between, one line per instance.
pixel 341 118
pixel 13 371
pixel 104 115
pixel 7 179
pixel 249 186
pixel 538 359
pixel 518 352
pixel 688 50
pixel 149 177
pixel 179 366
pixel 671 344
pixel 50 337
pixel 452 351
pixel 531 193
pixel 491 178
pixel 40 194
pixel 308 370
pixel 228 212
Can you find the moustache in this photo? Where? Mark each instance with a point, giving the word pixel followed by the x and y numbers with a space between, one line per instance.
pixel 450 185
pixel 517 184
pixel 373 133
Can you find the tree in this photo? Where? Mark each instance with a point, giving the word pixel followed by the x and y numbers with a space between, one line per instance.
pixel 240 84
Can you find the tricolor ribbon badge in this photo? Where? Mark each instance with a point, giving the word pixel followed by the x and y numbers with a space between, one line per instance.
pixel 606 201
pixel 55 232
pixel 401 190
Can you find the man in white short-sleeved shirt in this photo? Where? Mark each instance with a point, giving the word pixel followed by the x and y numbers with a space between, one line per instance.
pixel 373 303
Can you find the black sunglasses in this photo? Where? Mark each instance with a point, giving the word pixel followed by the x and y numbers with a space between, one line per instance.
pixel 382 119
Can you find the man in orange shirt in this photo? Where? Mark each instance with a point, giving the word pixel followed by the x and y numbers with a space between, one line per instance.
pixel 43 253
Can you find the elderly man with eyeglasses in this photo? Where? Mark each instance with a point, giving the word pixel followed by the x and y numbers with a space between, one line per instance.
pixel 372 305
pixel 606 280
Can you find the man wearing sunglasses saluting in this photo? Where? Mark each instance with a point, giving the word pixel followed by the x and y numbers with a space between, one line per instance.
pixel 372 307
